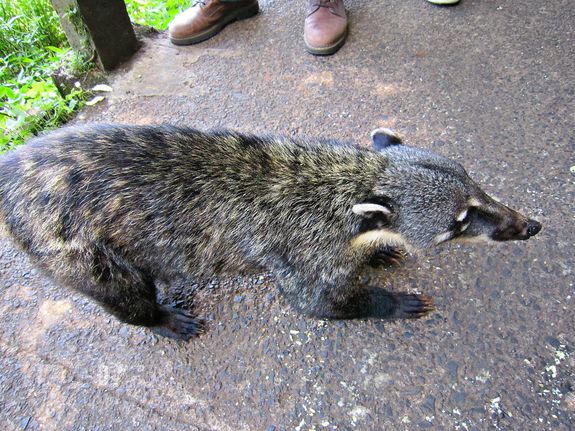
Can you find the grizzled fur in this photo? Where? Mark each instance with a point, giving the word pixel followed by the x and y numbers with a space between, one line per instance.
pixel 109 210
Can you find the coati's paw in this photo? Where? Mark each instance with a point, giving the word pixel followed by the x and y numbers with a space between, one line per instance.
pixel 178 324
pixel 387 256
pixel 413 306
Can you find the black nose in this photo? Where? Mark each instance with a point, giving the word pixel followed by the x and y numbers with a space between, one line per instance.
pixel 533 227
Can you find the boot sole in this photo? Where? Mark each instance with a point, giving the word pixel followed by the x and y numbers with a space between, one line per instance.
pixel 326 50
pixel 443 2
pixel 238 15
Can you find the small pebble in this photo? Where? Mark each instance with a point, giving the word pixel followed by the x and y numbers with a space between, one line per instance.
pixel 24 422
pixel 458 398
pixel 553 342
pixel 429 403
pixel 451 367
pixel 569 402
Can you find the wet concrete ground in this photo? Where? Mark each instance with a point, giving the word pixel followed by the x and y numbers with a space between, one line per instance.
pixel 489 83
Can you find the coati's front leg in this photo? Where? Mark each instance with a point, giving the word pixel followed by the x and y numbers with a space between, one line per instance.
pixel 350 300
pixel 382 303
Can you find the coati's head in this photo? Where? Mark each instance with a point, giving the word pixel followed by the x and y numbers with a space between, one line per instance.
pixel 425 199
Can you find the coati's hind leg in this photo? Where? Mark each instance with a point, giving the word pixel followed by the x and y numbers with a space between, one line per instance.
pixel 350 301
pixel 130 306
pixel 387 256
pixel 129 293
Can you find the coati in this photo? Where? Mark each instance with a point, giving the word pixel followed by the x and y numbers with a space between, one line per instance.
pixel 110 209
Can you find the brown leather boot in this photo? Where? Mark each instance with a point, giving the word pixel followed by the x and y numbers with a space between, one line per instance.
pixel 207 17
pixel 325 27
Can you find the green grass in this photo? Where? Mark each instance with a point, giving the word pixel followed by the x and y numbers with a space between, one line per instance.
pixel 155 13
pixel 32 46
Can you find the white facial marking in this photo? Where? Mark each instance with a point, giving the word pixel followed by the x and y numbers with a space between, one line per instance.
pixel 461 216
pixel 465 226
pixel 481 239
pixel 474 203
pixel 442 237
pixel 365 209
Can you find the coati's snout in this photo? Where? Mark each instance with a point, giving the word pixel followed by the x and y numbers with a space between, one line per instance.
pixel 515 227
pixel 490 220
pixel 522 231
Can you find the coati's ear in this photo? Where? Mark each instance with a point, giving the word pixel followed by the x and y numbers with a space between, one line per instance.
pixel 376 212
pixel 369 210
pixel 383 138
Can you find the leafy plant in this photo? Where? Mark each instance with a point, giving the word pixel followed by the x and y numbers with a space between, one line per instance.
pixel 155 13
pixel 29 105
pixel 32 47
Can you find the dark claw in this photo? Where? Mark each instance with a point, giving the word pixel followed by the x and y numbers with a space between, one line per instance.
pixel 414 306
pixel 179 324
pixel 182 316
pixel 387 256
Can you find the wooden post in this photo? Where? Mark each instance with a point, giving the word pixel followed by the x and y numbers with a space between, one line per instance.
pixel 100 25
